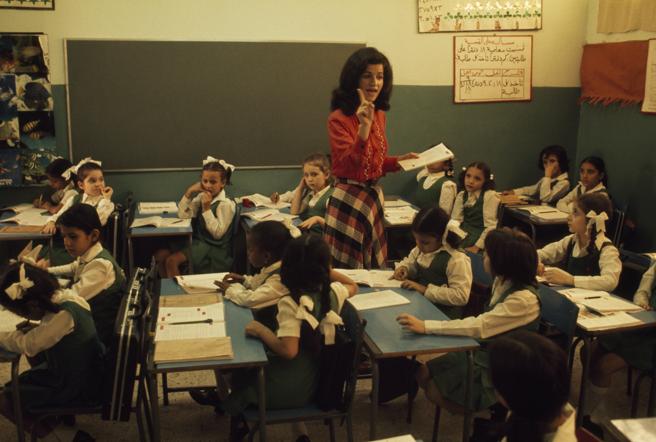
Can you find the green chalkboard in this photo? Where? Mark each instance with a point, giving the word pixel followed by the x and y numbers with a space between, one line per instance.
pixel 168 104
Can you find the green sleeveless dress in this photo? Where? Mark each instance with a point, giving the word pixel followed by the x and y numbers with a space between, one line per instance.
pixel 289 383
pixel 587 265
pixel 435 274
pixel 319 209
pixel 105 305
pixel 72 372
pixel 424 198
pixel 449 372
pixel 207 254
pixel 472 220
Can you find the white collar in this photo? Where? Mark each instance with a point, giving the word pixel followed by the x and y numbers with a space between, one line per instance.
pixel 220 197
pixel 426 173
pixel 91 253
pixel 91 200
pixel 61 296
pixel 319 194
pixel 271 268
pixel 473 196
pixel 599 186
pixel 562 177
pixel 499 286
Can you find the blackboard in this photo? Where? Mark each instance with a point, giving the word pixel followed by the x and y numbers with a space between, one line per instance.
pixel 167 104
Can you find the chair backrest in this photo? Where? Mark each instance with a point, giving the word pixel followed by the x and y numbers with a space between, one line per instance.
pixel 127 215
pixel 481 290
pixel 110 232
pixel 354 326
pixel 615 227
pixel 558 311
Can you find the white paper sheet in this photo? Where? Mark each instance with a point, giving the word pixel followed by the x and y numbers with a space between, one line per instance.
pixel 29 217
pixel 148 208
pixel 201 283
pixel 590 321
pixel 264 201
pixel 436 153
pixel 383 298
pixel 167 332
pixel 169 315
pixel 371 278
pixel 158 221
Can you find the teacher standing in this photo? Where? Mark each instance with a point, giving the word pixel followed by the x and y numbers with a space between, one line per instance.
pixel 356 129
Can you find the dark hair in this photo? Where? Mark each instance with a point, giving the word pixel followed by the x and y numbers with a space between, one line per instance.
pixel 81 216
pixel 598 164
pixel 488 184
pixel 559 152
pixel 271 237
pixel 512 255
pixel 599 202
pixel 57 167
pixel 449 167
pixel 345 97
pixel 432 221
pixel 215 166
pixel 306 269
pixel 530 372
pixel 45 285
pixel 85 169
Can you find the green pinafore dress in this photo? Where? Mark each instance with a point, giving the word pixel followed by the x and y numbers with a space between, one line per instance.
pixel 72 372
pixel 425 198
pixel 435 274
pixel 207 254
pixel 289 383
pixel 449 372
pixel 105 305
pixel 319 209
pixel 587 265
pixel 472 220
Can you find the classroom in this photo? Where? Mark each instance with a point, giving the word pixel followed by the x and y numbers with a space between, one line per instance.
pixel 142 87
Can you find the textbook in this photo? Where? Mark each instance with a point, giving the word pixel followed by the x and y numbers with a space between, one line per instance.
pixel 158 221
pixel 268 215
pixel 391 202
pixel 436 153
pixel 403 215
pixel 599 301
pixel 29 217
pixel 371 278
pixel 18 208
pixel 200 283
pixel 383 298
pixel 260 200
pixel 157 208
pixel 591 321
pixel 545 212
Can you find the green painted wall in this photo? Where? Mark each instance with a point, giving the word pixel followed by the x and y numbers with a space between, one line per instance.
pixel 626 139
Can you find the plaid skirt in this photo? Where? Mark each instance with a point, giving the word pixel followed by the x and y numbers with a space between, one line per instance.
pixel 354 226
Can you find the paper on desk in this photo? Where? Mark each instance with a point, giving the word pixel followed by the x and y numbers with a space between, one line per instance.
pixel 404 438
pixel 158 221
pixel 436 153
pixel 576 294
pixel 263 201
pixel 383 298
pixel 399 202
pixel 190 299
pixel 600 301
pixel 214 312
pixel 636 430
pixel 193 350
pixel 8 321
pixel 268 215
pixel 200 283
pixel 589 321
pixel 168 332
pixel 371 278
pixel 18 208
pixel 148 208
pixel 400 215
pixel 30 217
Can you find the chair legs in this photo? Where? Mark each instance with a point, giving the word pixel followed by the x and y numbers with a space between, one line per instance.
pixel 436 423
pixel 331 429
pixel 165 389
pixel 636 394
pixel 349 428
pixel 629 380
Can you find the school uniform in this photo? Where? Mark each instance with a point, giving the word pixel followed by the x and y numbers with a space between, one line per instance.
pixel 547 190
pixel 211 249
pixel 60 196
pixel 261 293
pixel 565 203
pixel 512 306
pixel 447 275
pixel 477 215
pixel 290 383
pixel 103 206
pixel 99 280
pixel 435 189
pixel 315 204
pixel 599 270
pixel 637 348
pixel 72 370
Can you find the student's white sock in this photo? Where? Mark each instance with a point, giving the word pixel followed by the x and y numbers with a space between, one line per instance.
pixel 595 404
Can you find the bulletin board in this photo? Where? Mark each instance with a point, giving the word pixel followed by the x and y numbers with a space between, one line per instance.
pixel 492 68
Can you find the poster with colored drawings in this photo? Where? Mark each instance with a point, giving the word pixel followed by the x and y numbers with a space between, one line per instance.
pixel 483 15
pixel 27 125
pixel 492 68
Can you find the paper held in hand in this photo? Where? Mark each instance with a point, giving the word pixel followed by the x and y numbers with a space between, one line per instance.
pixel 436 153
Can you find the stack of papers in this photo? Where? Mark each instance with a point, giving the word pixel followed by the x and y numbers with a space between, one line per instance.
pixel 436 153
pixel 599 301
pixel 395 202
pixel 29 217
pixel 396 216
pixel 157 208
pixel 590 321
pixel 201 283
pixel 371 278
pixel 545 212
pixel 384 298
pixel 267 215
pixel 263 201
pixel 158 221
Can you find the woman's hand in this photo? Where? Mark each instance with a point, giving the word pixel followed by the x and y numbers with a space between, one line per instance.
pixel 308 223
pixel 194 188
pixel 550 170
pixel 401 273
pixel 407 156
pixel 365 113
pixel 410 323
pixel 508 192
pixel 557 276
pixel 49 228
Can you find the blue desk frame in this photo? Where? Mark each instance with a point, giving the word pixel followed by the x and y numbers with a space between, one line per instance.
pixel 14 359
pixel 248 352
pixel 384 338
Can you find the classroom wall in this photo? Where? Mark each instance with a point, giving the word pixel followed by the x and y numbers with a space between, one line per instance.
pixel 507 135
pixel 625 138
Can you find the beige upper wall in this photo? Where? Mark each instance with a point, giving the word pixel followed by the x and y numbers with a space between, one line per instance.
pixel 593 37
pixel 390 25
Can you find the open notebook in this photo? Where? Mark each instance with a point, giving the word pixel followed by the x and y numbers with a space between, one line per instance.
pixel 200 283
pixel 260 200
pixel 29 217
pixel 267 215
pixel 158 221
pixel 155 208
pixel 371 278
pixel 18 208
pixel 545 212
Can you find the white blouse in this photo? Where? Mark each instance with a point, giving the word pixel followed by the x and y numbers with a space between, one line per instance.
pixel 258 291
pixel 549 190
pixel 217 223
pixel 565 203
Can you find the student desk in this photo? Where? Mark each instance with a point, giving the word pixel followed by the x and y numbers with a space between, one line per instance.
pixel 533 222
pixel 633 430
pixel 248 352
pixel 23 236
pixel 156 232
pixel 384 338
pixel 14 359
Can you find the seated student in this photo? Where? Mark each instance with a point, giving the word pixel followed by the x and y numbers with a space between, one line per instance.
pixel 310 198
pixel 213 214
pixel 302 323
pixel 436 186
pixel 530 376
pixel 63 188
pixel 73 365
pixel 436 267
pixel 476 206
pixel 88 175
pixel 612 353
pixel 587 259
pixel 511 258
pixel 593 179
pixel 96 276
pixel 555 184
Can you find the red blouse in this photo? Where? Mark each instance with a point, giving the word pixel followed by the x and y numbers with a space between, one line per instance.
pixel 353 158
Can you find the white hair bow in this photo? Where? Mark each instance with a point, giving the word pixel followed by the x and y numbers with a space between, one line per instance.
pixel 303 312
pixel 211 159
pixel 18 289
pixel 294 231
pixel 598 220
pixel 73 169
pixel 452 226
pixel 327 326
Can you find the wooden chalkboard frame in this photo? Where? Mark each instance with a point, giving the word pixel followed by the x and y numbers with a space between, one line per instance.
pixel 116 115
